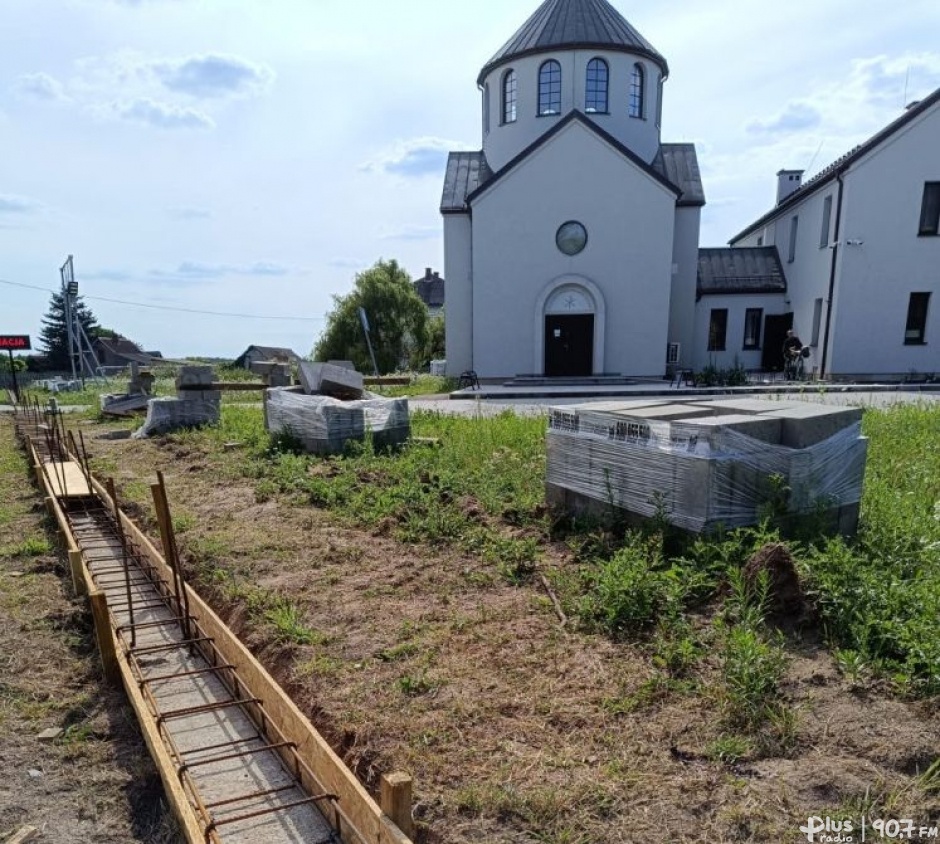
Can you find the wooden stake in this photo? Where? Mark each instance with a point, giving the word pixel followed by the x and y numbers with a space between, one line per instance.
pixel 78 576
pixel 554 599
pixel 99 612
pixel 395 800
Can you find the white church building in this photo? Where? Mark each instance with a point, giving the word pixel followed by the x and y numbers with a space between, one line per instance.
pixel 571 240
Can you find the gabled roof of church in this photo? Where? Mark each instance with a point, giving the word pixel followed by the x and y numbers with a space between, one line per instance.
pixel 752 269
pixel 679 164
pixel 840 165
pixel 466 171
pixel 574 24
pixel 675 167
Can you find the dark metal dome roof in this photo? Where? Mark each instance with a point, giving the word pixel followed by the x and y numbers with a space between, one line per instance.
pixel 574 24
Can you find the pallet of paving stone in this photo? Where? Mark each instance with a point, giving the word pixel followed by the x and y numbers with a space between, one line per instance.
pixel 324 425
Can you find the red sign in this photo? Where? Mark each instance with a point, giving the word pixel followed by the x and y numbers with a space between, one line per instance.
pixel 15 342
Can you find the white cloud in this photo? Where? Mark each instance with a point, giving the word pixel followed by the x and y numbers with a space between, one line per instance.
pixel 39 86
pixel 414 158
pixel 212 76
pixel 795 117
pixel 164 115
pixel 18 205
pixel 195 271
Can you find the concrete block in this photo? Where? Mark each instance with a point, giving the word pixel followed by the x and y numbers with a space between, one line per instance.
pixel 763 428
pixel 665 412
pixel 200 395
pixel 805 425
pixel 331 380
pixel 194 375
pixel 741 405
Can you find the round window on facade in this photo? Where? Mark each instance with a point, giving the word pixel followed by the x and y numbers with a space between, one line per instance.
pixel 571 237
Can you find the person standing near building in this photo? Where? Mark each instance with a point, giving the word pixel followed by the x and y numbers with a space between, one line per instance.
pixel 792 348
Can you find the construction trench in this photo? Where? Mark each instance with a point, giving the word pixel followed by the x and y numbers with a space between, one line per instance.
pixel 239 762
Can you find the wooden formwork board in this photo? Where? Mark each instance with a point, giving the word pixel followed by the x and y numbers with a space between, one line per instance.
pixel 367 820
pixel 67 480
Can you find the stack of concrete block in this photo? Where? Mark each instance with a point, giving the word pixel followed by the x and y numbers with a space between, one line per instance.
pixel 275 373
pixel 706 463
pixel 135 399
pixel 195 404
pixel 324 424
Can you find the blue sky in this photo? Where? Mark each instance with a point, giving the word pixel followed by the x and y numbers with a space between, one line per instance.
pixel 250 157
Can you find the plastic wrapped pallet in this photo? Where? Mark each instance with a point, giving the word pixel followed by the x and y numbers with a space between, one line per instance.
pixel 700 472
pixel 325 424
pixel 172 414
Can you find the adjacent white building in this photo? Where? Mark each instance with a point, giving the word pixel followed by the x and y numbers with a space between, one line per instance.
pixel 571 239
pixel 860 246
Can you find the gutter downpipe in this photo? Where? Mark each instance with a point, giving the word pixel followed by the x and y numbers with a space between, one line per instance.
pixel 832 277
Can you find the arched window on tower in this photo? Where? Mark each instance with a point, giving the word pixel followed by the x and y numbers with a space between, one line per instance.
pixel 637 88
pixel 549 88
pixel 486 109
pixel 509 96
pixel 595 98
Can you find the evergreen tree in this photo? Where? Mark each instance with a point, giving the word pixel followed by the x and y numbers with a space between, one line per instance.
pixel 54 333
pixel 398 321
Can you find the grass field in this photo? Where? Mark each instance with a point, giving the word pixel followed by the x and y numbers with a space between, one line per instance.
pixel 879 597
pixel 557 681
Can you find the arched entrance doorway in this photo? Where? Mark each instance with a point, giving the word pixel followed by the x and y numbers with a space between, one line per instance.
pixel 569 332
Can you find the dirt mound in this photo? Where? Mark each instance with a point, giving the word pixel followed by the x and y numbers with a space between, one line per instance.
pixel 786 600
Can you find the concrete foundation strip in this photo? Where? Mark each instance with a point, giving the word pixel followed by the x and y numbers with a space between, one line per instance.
pixel 240 763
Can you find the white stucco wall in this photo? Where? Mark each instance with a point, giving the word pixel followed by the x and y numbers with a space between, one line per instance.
pixel 458 313
pixel 640 135
pixel 630 219
pixel 737 305
pixel 880 259
pixel 808 273
pixel 881 208
pixel 684 278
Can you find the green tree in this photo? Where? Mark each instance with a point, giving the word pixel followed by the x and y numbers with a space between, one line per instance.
pixel 54 332
pixel 398 321
pixel 435 348
pixel 19 363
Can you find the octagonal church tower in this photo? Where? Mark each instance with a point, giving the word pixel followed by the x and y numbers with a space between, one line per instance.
pixel 571 238
pixel 572 55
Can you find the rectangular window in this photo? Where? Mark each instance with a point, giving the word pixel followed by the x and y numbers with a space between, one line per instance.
pixel 817 319
pixel 827 217
pixel 930 209
pixel 760 241
pixel 794 226
pixel 752 322
pixel 916 330
pixel 717 329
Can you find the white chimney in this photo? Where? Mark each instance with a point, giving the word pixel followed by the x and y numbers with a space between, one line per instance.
pixel 788 181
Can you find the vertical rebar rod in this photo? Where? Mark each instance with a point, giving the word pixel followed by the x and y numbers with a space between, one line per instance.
pixel 170 550
pixel 81 439
pixel 124 560
pixel 51 461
